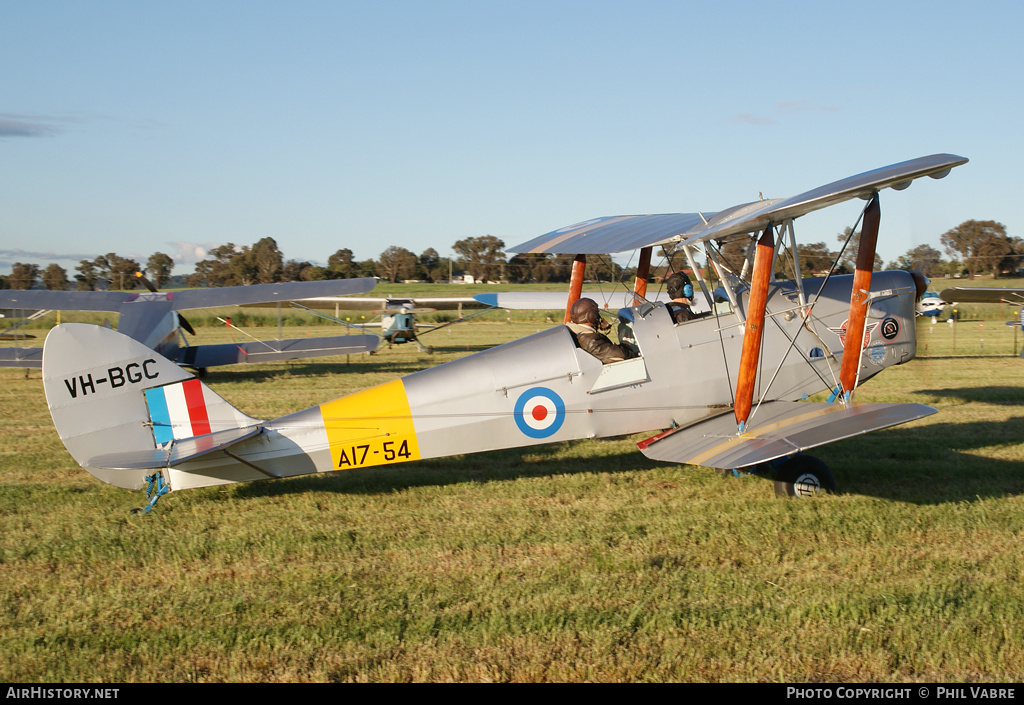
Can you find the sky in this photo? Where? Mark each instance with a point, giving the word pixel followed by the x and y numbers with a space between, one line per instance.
pixel 140 127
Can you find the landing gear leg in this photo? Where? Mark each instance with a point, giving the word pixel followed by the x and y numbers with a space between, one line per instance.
pixel 761 469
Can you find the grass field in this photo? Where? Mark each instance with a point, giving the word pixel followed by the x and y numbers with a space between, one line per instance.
pixel 573 562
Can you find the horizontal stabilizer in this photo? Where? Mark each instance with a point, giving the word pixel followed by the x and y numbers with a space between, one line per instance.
pixel 779 429
pixel 175 453
pixel 202 356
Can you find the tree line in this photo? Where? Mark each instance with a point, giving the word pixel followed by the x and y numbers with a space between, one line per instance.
pixel 974 247
pixel 111 270
pixel 483 258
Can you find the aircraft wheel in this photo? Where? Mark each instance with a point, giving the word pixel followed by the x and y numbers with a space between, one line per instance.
pixel 803 476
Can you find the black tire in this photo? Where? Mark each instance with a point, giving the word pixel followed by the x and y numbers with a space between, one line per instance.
pixel 803 476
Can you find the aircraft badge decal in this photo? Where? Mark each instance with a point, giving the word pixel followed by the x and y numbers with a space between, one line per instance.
pixel 841 332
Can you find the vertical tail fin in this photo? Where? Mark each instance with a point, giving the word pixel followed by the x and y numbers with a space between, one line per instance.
pixel 118 406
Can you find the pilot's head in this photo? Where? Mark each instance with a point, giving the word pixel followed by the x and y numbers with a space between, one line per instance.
pixel 678 286
pixel 585 312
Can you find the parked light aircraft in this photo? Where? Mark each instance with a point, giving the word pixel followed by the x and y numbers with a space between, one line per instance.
pixel 153 318
pixel 397 322
pixel 133 419
pixel 932 304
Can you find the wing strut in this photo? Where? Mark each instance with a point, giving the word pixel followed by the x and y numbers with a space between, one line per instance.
pixel 643 270
pixel 579 266
pixel 859 297
pixel 754 328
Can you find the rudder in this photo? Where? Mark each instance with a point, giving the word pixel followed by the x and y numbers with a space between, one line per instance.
pixel 111 396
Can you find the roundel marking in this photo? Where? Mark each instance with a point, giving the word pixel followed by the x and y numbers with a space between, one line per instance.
pixel 890 328
pixel 539 412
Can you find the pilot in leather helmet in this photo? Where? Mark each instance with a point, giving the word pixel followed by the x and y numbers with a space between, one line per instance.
pixel 586 323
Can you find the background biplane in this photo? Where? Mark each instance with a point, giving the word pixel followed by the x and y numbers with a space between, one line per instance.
pixel 725 390
pixel 154 319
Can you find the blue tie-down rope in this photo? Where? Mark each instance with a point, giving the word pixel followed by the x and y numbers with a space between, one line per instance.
pixel 771 464
pixel 155 489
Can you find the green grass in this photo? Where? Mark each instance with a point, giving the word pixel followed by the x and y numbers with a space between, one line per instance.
pixel 580 561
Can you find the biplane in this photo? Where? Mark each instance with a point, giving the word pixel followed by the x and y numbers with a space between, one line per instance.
pixel 154 319
pixel 726 390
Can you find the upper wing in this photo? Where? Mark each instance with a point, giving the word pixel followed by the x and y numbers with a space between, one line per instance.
pixel 630 232
pixel 443 303
pixel 529 300
pixel 609 234
pixel 182 300
pixel 983 295
pixel 259 294
pixel 756 216
pixel 558 300
pixel 40 300
pixel 366 303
